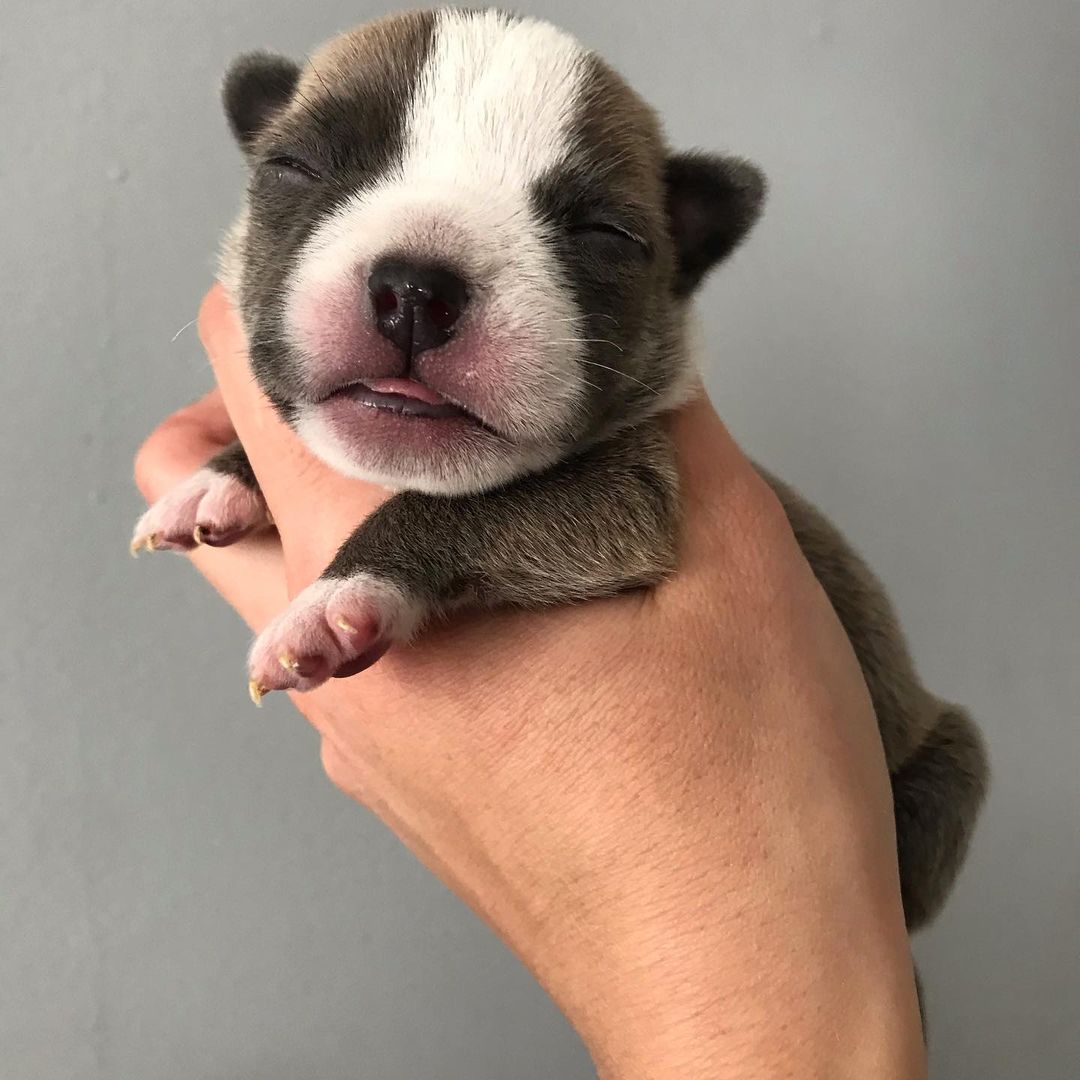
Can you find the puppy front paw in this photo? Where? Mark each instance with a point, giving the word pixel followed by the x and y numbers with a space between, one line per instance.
pixel 207 508
pixel 335 627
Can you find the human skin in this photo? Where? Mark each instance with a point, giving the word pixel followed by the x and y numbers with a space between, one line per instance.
pixel 672 805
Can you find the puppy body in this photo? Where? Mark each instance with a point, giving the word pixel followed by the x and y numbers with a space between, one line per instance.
pixel 465 268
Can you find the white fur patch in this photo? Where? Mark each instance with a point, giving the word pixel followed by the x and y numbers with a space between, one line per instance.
pixel 494 102
pixel 456 476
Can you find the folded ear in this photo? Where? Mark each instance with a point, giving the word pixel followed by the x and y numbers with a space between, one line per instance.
pixel 256 86
pixel 712 202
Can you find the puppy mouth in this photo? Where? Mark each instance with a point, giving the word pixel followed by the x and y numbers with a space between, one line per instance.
pixel 406 397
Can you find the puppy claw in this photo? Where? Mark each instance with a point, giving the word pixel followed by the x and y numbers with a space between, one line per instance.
pixel 143 543
pixel 256 692
pixel 334 627
pixel 197 535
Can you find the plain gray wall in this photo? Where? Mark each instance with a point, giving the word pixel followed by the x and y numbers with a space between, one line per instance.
pixel 183 894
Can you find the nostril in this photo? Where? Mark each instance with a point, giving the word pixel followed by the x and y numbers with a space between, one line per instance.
pixel 443 314
pixel 386 301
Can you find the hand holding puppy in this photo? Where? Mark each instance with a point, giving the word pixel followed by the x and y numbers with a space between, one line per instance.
pixel 672 805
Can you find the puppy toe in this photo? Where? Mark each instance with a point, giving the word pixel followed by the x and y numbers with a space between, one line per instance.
pixel 207 508
pixel 336 627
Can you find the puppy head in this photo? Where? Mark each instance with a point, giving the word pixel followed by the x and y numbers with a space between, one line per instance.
pixel 466 250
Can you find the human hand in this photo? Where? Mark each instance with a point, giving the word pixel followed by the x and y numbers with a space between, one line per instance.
pixel 673 805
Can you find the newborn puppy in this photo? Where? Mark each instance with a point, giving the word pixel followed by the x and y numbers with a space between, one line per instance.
pixel 465 269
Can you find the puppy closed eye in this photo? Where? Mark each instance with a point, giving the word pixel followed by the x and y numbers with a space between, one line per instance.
pixel 610 234
pixel 289 169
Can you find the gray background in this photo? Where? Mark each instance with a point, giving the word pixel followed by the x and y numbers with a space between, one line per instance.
pixel 181 893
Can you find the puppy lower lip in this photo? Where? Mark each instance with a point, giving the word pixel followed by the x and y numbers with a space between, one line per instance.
pixel 386 394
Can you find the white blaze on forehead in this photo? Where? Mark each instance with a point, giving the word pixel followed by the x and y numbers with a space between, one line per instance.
pixel 495 101
pixel 491 114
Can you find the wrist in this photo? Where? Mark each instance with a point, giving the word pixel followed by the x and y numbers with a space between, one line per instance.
pixel 752 999
pixel 728 972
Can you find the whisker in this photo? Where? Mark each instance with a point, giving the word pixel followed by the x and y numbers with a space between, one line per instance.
pixel 186 326
pixel 589 315
pixel 616 371
pixel 592 386
pixel 586 341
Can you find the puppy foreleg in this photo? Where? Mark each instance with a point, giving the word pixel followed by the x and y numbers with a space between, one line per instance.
pixel 595 525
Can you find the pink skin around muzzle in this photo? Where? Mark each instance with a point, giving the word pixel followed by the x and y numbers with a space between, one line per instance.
pixel 332 325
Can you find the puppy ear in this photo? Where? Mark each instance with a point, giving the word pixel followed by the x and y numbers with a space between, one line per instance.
pixel 711 203
pixel 256 86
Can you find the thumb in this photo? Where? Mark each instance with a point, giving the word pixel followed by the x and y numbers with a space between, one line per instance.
pixel 314 507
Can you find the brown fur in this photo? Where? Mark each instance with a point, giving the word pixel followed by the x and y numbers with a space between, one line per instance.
pixel 377 52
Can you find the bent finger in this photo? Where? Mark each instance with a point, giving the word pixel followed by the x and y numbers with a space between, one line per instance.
pixel 181 444
pixel 250 576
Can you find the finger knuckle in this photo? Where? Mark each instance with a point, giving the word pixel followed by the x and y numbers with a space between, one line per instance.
pixel 148 467
pixel 338 768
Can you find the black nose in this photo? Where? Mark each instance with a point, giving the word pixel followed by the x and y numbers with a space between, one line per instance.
pixel 415 306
